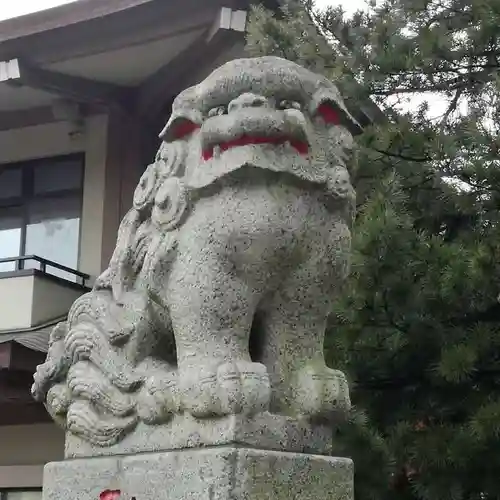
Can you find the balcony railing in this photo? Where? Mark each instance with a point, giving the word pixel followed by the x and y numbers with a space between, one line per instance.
pixel 20 261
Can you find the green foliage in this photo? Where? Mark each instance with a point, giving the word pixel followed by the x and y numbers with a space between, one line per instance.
pixel 418 327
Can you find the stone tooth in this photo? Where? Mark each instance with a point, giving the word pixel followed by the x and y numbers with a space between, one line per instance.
pixel 217 151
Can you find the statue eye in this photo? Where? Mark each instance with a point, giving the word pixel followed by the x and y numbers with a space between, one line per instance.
pixel 217 111
pixel 287 104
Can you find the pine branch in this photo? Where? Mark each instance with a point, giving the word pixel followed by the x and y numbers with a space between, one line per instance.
pixel 420 380
pixel 401 156
pixel 465 82
pixel 490 315
pixel 452 106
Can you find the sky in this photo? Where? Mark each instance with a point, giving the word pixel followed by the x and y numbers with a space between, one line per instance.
pixel 21 7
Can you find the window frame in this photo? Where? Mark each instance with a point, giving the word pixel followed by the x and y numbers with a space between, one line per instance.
pixel 28 194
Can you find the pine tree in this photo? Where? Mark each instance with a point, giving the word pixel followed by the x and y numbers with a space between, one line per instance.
pixel 418 327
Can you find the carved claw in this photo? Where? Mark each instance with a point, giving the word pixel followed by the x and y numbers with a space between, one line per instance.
pixel 87 382
pixel 84 421
pixel 231 388
pixel 320 392
pixel 159 398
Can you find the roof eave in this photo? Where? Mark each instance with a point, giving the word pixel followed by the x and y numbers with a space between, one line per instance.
pixel 62 16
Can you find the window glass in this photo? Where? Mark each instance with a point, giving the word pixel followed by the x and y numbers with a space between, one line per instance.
pixel 23 495
pixel 60 175
pixel 10 183
pixel 53 232
pixel 10 237
pixel 40 210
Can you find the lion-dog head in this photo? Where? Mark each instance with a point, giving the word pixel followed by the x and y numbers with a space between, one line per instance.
pixel 266 113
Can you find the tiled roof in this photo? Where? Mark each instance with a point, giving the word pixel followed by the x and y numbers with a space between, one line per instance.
pixel 36 338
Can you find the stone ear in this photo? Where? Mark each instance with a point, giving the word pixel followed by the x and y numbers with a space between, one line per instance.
pixel 328 104
pixel 181 125
pixel 330 113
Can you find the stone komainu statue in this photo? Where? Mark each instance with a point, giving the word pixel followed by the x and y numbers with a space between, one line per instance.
pixel 216 298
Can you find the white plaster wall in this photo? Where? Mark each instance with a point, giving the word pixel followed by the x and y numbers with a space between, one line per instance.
pixel 50 299
pixel 16 300
pixel 27 301
pixel 38 141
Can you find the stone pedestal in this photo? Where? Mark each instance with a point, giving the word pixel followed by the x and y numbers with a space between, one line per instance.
pixel 222 473
pixel 262 431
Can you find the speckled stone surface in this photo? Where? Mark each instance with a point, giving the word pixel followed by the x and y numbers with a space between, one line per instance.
pixel 264 431
pixel 225 473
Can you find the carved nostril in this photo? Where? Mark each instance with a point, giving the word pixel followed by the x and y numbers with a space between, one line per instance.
pixel 248 100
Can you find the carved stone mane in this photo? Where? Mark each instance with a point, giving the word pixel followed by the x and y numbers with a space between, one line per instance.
pixel 215 300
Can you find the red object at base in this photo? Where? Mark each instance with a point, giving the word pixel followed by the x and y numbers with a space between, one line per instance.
pixel 110 495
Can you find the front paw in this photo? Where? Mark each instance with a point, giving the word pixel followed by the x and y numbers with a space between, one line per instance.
pixel 319 392
pixel 231 388
pixel 158 400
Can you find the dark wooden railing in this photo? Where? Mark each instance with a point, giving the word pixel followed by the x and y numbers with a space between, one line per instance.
pixel 19 261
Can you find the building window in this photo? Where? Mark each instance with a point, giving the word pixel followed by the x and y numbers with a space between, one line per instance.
pixel 40 212
pixel 18 494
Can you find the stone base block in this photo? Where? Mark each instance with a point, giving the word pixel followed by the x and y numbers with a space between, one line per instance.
pixel 263 431
pixel 225 473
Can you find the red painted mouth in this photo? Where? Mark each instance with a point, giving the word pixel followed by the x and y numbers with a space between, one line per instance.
pixel 300 146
